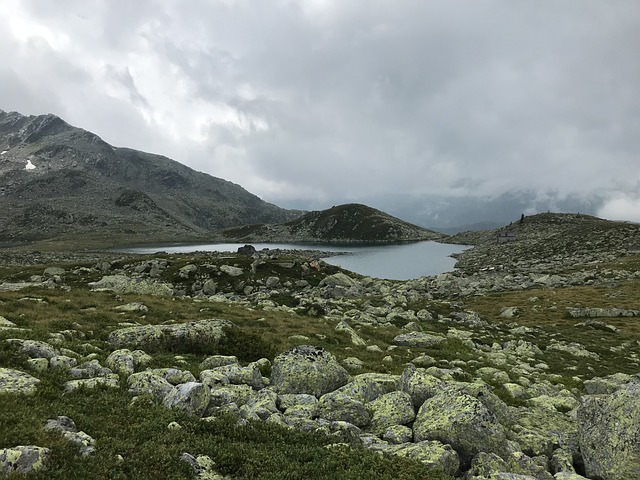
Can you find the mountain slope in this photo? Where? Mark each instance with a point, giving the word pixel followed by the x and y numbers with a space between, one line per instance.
pixel 344 223
pixel 58 179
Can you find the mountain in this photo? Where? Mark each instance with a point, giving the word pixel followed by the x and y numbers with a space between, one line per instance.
pixel 344 223
pixel 56 179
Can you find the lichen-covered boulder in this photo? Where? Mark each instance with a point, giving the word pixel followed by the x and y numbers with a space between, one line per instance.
pixel 15 381
pixel 436 457
pixel 489 464
pixel 33 348
pixel 418 340
pixel 69 431
pixel 260 406
pixel 229 394
pixel 397 434
pixel 183 337
pixel 307 369
pixel 538 431
pixel 149 383
pixel 395 408
pixel 63 362
pixel 238 375
pixel 23 459
pixel 419 384
pixel 174 376
pixel 191 397
pixel 298 405
pixel 609 434
pixel 336 406
pixel 139 286
pixel 215 361
pixel 462 421
pixel 126 362
pixel 90 369
pixel 108 381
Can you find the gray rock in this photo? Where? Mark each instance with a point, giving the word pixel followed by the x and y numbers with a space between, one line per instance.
pixel 33 348
pixel 62 361
pixel 419 384
pixel 463 422
pixel 174 376
pixel 338 280
pixel 90 369
pixel 126 362
pixel 609 434
pixel 191 397
pixel 418 340
pixel 436 457
pixel 181 336
pixel 307 369
pixel 110 381
pixel 215 361
pixel 353 335
pixel 229 394
pixel 23 459
pixel 231 271
pixel 149 383
pixel 137 307
pixel 262 405
pixel 67 428
pixel 397 434
pixel 237 374
pixel 15 381
pixel 138 286
pixel 395 408
pixel 337 406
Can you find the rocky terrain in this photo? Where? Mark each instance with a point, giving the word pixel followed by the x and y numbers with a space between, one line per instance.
pixel 56 179
pixel 522 364
pixel 348 223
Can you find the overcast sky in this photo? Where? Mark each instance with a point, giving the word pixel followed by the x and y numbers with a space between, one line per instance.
pixel 320 102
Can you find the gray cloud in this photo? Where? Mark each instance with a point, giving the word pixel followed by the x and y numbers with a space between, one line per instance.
pixel 320 102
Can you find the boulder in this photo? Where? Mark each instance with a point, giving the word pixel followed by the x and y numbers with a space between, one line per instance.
pixel 191 397
pixel 33 348
pixel 231 271
pixel 353 335
pixel 609 434
pixel 138 286
pixel 395 408
pixel 237 374
pixel 338 280
pixel 23 459
pixel 418 340
pixel 261 406
pixel 419 384
pixel 215 361
pixel 149 383
pixel 179 337
pixel 110 381
pixel 67 428
pixel 436 457
pixel 336 406
pixel 174 376
pixel 463 422
pixel 126 362
pixel 307 369
pixel 15 381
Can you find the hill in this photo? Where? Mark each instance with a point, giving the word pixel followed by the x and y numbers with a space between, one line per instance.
pixel 56 179
pixel 344 223
pixel 547 242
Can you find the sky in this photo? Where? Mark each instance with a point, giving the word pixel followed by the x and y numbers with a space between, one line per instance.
pixel 313 103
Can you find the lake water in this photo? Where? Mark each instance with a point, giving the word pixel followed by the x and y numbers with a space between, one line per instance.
pixel 395 262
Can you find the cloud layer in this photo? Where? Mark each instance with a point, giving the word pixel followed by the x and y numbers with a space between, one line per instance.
pixel 317 102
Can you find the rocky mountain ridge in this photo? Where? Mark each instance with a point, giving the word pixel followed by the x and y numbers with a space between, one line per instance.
pixel 56 179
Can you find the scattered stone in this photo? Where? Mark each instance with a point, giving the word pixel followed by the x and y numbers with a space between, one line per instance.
pixel 418 340
pixel 137 307
pixel 307 369
pixel 89 383
pixel 191 397
pixel 609 434
pixel 15 381
pixel 67 428
pixel 23 459
pixel 139 286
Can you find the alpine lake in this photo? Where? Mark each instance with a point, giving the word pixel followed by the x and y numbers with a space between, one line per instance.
pixel 393 262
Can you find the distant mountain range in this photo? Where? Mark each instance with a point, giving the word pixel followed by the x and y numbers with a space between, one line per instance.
pixel 56 179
